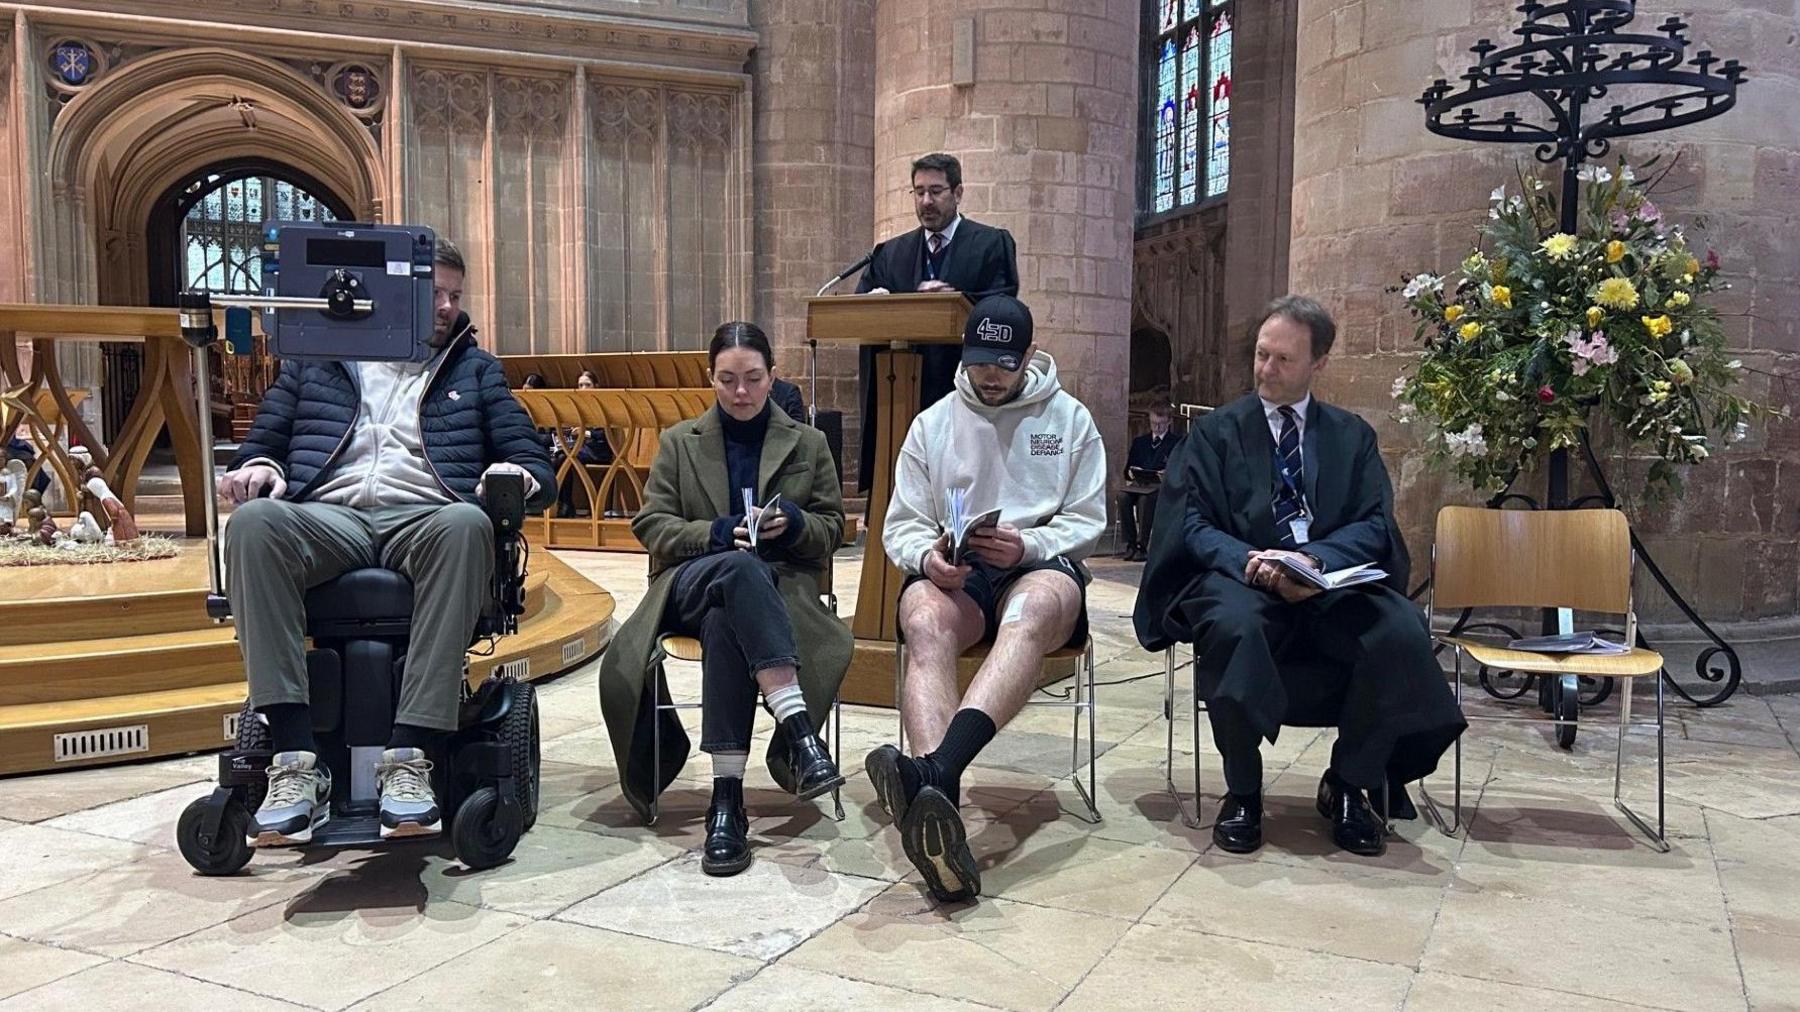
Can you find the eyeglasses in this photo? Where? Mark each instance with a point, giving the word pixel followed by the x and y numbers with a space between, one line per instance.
pixel 934 192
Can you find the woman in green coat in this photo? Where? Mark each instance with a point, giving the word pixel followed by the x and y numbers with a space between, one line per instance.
pixel 756 610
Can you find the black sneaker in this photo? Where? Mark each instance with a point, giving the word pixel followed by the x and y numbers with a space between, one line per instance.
pixel 883 766
pixel 935 841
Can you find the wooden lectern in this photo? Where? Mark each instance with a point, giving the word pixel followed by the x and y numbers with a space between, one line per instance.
pixel 893 323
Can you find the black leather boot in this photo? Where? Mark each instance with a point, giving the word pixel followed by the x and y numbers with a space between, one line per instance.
pixel 727 849
pixel 813 771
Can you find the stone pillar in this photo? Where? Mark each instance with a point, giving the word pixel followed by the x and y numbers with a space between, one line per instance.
pixel 1047 135
pixel 1375 195
pixel 814 88
pixel 1257 210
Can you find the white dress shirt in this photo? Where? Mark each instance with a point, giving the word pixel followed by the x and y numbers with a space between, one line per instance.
pixel 949 233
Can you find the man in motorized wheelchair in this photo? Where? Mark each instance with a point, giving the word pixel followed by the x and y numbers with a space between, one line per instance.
pixel 354 472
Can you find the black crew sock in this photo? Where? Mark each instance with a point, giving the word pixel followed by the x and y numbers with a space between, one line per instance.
pixel 969 732
pixel 424 739
pixel 290 727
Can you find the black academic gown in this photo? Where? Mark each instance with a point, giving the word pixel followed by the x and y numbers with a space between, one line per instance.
pixel 1370 652
pixel 981 260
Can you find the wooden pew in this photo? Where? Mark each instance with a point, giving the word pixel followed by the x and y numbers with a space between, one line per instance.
pixel 633 421
pixel 662 370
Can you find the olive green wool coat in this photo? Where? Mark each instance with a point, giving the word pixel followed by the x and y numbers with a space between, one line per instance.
pixel 685 492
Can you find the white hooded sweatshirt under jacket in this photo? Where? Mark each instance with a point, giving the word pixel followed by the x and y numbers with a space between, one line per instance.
pixel 1038 458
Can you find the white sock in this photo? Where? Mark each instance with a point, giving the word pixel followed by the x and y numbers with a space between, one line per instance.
pixel 729 765
pixel 786 701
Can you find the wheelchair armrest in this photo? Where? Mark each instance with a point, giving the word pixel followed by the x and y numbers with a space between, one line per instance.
pixel 504 501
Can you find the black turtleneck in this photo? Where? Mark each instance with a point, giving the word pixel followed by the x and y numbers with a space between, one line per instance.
pixel 743 453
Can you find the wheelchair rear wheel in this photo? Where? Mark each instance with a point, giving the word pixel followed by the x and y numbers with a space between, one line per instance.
pixel 519 730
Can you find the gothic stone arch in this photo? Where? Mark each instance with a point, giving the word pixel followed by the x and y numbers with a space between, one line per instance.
pixel 117 147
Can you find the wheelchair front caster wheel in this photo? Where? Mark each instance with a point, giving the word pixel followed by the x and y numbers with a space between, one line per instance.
pixel 485 833
pixel 227 851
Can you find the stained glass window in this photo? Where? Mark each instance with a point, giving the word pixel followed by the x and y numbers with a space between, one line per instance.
pixel 221 237
pixel 1189 136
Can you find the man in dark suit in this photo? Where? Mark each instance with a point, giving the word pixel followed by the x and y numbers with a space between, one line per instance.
pixel 1280 474
pixel 1145 463
pixel 946 253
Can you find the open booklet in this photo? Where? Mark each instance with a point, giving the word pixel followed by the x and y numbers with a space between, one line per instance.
pixel 1365 573
pixel 961 525
pixel 756 518
pixel 1589 642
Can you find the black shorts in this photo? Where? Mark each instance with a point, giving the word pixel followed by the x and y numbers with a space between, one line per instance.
pixel 988 586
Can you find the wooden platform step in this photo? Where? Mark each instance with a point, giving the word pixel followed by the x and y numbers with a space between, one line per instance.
pixel 90 732
pixel 85 702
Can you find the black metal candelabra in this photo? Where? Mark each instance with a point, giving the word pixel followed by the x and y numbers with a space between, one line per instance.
pixel 1552 89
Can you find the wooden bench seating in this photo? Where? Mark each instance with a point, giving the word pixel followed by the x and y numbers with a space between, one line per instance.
pixel 633 370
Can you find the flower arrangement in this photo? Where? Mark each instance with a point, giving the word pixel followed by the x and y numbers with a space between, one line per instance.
pixel 1540 330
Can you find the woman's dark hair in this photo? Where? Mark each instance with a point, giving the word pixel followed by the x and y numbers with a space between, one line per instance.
pixel 738 334
pixel 534 381
pixel 588 374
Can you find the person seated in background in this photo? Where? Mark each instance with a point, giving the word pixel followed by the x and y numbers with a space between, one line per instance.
pixel 1144 466
pixel 352 465
pixel 595 450
pixel 755 608
pixel 534 381
pixel 788 398
pixel 1275 478
pixel 1010 438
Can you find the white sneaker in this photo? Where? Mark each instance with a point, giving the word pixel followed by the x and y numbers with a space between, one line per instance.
pixel 408 808
pixel 298 802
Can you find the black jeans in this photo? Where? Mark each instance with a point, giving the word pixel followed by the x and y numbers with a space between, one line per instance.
pixel 730 603
pixel 1136 510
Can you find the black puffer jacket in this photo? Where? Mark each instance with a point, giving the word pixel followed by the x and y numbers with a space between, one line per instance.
pixel 468 420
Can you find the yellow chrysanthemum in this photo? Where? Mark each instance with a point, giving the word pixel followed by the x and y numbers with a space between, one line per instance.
pixel 1680 299
pixel 1658 326
pixel 1453 312
pixel 1560 246
pixel 1503 296
pixel 1617 293
pixel 1615 251
pixel 1470 331
pixel 1594 315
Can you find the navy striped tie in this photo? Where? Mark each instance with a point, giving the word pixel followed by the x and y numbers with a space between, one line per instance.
pixel 1289 504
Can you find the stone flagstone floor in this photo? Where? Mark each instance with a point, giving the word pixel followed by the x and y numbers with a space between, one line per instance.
pixel 1548 899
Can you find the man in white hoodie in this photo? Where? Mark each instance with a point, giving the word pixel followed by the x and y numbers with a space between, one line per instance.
pixel 1010 439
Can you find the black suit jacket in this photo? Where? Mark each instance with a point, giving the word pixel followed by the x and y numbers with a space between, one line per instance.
pixel 788 398
pixel 1217 507
pixel 980 261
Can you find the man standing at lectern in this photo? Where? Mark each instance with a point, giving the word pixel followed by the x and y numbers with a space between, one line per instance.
pixel 946 253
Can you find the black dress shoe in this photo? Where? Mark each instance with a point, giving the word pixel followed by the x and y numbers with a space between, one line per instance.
pixel 1397 799
pixel 813 771
pixel 937 844
pixel 727 849
pixel 1354 825
pixel 1239 829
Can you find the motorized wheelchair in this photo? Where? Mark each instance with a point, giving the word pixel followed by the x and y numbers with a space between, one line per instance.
pixel 486 774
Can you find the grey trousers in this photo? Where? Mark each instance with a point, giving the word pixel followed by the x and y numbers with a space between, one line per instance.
pixel 276 550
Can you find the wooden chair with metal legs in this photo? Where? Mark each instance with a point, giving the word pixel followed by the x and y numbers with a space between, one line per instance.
pixel 686 648
pixel 1577 559
pixel 1079 703
pixel 1302 712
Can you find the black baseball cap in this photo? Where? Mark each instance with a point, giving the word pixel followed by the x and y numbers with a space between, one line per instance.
pixel 997 333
